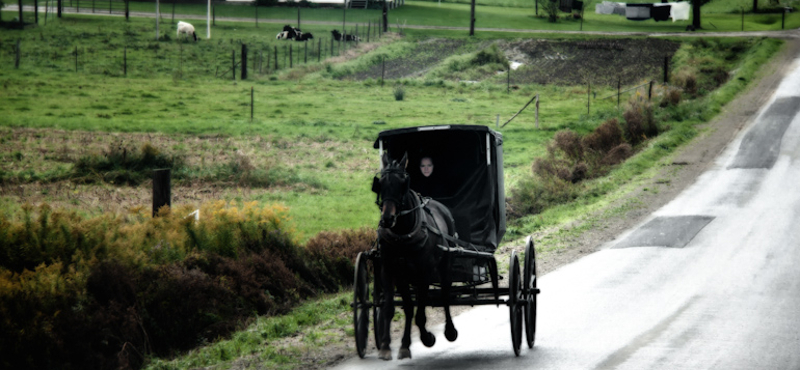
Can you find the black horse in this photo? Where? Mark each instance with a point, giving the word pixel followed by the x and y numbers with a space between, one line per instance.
pixel 409 231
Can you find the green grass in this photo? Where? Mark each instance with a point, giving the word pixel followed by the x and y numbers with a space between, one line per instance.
pixel 315 322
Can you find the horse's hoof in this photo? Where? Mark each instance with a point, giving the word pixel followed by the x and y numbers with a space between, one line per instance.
pixel 428 340
pixel 385 354
pixel 451 333
pixel 404 354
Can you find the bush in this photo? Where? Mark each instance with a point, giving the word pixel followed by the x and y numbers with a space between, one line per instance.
pixel 106 292
pixel 687 80
pixel 399 93
pixel 671 97
pixel 639 122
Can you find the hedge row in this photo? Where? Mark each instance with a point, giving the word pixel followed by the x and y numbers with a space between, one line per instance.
pixel 106 292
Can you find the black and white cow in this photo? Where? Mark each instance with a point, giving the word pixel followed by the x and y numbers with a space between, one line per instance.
pixel 338 36
pixel 304 36
pixel 289 32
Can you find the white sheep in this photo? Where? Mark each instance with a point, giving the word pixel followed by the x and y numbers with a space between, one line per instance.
pixel 187 29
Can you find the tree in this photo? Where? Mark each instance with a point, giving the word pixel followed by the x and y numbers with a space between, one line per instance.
pixel 755 6
pixel 696 4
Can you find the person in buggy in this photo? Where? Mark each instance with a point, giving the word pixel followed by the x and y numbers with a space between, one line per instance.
pixel 429 184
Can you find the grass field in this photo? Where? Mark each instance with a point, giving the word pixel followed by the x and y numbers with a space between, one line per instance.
pixel 89 85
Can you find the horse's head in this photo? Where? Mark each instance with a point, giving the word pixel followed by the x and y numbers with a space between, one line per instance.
pixel 391 188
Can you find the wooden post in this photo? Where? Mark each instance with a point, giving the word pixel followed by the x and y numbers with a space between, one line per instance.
pixel 537 111
pixel 666 69
pixel 127 11
pixel 36 12
pixel 59 9
pixel 244 62
pixel 650 91
pixel 291 62
pixel 251 104
pixel 161 190
pixel 298 15
pixel 742 19
pixel 588 99
pixel 16 58
pixel 783 19
pixel 369 28
pixel 383 69
pixel 508 80
pixel 256 15
pixel 497 122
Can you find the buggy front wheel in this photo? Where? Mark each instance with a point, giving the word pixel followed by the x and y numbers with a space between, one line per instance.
pixel 361 304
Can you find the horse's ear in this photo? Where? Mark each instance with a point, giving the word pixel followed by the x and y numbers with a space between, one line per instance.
pixel 404 161
pixel 385 160
pixel 376 185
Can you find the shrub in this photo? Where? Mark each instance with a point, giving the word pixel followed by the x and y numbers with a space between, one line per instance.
pixel 639 122
pixel 399 93
pixel 106 292
pixel 671 97
pixel 122 165
pixel 687 80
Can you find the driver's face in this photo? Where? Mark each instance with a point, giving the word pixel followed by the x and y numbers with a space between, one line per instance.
pixel 426 166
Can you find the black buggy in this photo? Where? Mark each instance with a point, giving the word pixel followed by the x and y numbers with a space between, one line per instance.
pixel 469 162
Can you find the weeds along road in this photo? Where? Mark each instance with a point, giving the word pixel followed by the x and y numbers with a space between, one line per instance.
pixel 795 33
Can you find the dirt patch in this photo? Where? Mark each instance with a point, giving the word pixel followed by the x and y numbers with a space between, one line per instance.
pixel 606 61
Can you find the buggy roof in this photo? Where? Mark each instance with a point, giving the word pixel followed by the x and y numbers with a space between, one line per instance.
pixel 468 162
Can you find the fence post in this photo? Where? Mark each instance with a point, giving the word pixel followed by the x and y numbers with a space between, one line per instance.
pixel 783 19
pixel 17 55
pixel 161 190
pixel 508 80
pixel 305 52
pixel 251 104
pixel 319 50
pixel 383 69
pixel 59 9
pixel 291 56
pixel 127 11
pixel 742 19
pixel 650 91
pixel 497 122
pixel 276 58
pixel 537 111
pixel 233 64
pixel 666 69
pixel 244 62
pixel 36 12
pixel 125 62
pixel 256 15
pixel 619 88
pixel 588 99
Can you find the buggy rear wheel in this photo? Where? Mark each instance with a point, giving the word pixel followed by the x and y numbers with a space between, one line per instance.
pixel 361 304
pixel 515 302
pixel 531 292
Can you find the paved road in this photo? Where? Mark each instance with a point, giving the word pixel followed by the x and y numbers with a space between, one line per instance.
pixel 709 281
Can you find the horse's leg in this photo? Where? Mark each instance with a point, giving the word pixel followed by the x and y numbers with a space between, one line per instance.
pixel 385 352
pixel 408 311
pixel 427 338
pixel 450 331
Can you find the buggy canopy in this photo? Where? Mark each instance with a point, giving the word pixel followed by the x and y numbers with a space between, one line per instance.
pixel 468 171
